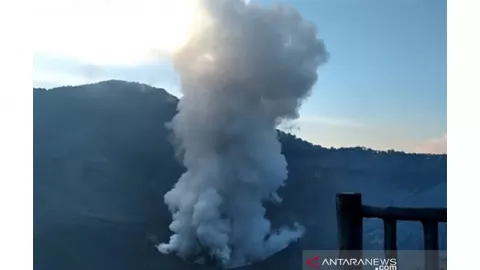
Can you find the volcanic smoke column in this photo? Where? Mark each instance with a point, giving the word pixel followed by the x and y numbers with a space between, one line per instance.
pixel 246 69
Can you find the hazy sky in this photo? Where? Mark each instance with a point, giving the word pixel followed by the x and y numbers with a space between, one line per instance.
pixel 384 86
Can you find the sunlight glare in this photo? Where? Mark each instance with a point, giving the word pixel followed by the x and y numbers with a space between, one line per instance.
pixel 112 32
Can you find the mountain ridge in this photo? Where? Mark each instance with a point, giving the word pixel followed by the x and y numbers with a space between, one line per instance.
pixel 137 86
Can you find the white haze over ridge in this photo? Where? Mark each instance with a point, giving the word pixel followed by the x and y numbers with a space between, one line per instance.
pixel 247 68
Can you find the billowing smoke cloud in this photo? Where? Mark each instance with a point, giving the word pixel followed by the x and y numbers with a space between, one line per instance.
pixel 245 70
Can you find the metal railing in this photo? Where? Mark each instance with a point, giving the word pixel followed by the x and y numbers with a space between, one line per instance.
pixel 351 212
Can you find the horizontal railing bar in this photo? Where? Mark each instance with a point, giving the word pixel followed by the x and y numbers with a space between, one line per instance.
pixel 405 213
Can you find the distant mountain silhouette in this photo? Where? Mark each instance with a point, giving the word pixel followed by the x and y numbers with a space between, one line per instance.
pixel 103 161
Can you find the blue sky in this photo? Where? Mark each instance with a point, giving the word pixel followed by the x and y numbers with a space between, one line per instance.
pixel 386 76
pixel 384 86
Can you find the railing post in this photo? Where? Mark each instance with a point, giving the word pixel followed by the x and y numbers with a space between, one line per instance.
pixel 390 238
pixel 430 234
pixel 350 225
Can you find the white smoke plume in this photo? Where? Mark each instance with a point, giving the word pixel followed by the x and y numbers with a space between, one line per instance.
pixel 246 69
